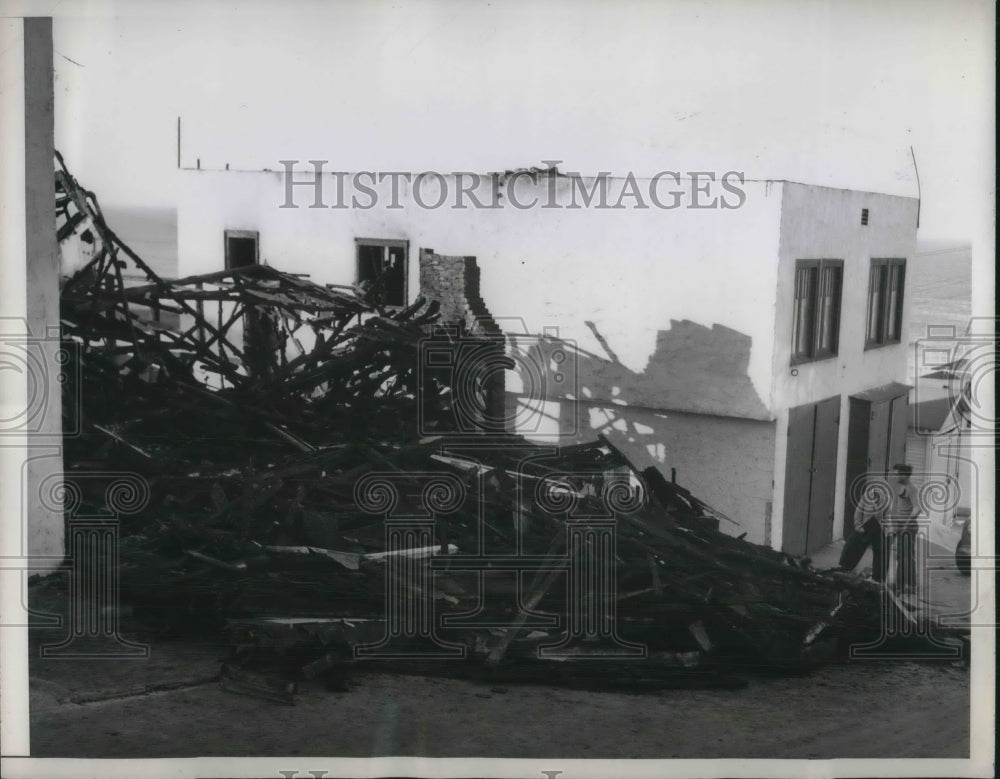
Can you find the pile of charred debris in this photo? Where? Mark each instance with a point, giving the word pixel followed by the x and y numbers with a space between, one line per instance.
pixel 308 496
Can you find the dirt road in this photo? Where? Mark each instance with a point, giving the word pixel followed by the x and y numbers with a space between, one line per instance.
pixel 873 709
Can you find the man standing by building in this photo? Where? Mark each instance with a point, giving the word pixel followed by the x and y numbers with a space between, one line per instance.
pixel 868 532
pixel 903 520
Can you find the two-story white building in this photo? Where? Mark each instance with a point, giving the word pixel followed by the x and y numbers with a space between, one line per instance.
pixel 744 335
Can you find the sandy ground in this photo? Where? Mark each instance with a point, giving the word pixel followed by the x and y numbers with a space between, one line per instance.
pixel 874 709
pixel 171 705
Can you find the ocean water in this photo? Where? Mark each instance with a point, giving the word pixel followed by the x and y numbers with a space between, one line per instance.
pixel 149 232
pixel 939 286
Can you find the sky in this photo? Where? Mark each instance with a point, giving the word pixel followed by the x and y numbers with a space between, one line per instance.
pixel 832 93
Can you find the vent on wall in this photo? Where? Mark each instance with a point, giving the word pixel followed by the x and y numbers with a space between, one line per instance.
pixel 864 216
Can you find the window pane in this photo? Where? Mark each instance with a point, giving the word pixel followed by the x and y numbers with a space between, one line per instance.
pixel 899 300
pixel 805 312
pixel 829 318
pixel 370 263
pixel 384 268
pixel 394 277
pixel 798 322
pixel 894 315
pixel 241 249
pixel 876 284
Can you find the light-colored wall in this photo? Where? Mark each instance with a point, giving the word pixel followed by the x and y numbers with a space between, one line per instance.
pixel 31 429
pixel 31 534
pixel 684 298
pixel 945 471
pixel 46 529
pixel 822 223
pixel 724 461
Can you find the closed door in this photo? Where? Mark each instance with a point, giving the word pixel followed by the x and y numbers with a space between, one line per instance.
pixel 876 440
pixel 810 476
pixel 824 474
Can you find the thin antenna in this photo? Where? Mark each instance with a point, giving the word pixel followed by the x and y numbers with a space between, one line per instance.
pixel 917 172
pixel 178 142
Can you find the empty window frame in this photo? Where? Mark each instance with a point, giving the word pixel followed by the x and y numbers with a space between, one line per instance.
pixel 242 248
pixel 382 266
pixel 816 314
pixel 886 281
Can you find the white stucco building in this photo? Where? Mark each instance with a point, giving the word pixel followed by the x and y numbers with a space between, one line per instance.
pixel 745 334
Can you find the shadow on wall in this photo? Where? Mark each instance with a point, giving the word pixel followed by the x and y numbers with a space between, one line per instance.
pixel 693 408
pixel 694 370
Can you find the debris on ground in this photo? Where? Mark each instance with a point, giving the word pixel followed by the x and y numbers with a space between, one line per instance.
pixel 312 499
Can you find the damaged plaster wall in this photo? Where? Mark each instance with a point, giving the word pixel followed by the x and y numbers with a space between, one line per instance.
pixel 674 338
pixel 726 461
pixel 712 267
pixel 683 312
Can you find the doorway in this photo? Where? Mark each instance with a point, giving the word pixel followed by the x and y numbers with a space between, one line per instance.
pixel 876 440
pixel 810 476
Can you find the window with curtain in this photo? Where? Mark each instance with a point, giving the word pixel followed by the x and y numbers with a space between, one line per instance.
pixel 886 283
pixel 816 309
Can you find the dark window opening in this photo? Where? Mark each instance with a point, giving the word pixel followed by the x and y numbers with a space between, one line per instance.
pixel 864 216
pixel 816 317
pixel 886 281
pixel 241 248
pixel 382 268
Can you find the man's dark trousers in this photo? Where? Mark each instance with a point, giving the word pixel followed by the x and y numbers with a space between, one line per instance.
pixel 906 556
pixel 854 549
